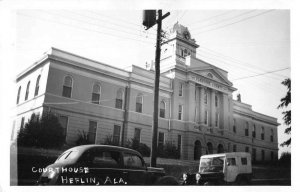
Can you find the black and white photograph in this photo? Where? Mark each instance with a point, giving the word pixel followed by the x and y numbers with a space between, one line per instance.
pixel 176 94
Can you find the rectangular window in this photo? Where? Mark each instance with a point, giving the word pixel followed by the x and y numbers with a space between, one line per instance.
pixel 22 122
pixel 244 160
pixel 161 139
pixel 206 118
pixel 234 148
pixel 180 112
pixel 63 120
pixel 92 131
pixel 67 91
pixel 119 103
pixel 254 131
pixel 95 98
pixel 262 133
pixel 246 149
pixel 179 143
pixel 271 138
pixel 205 98
pixel 247 129
pixel 234 126
pixel 139 107
pixel 231 161
pixel 137 134
pixel 262 155
pixel 162 113
pixel 116 134
pixel 180 89
pixel 217 120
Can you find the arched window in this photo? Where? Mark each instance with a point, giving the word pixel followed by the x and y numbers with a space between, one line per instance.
pixel 119 99
pixel 37 86
pixel 209 148
pixel 27 90
pixel 67 87
pixel 139 103
pixel 197 150
pixel 18 96
pixel 220 148
pixel 162 109
pixel 96 94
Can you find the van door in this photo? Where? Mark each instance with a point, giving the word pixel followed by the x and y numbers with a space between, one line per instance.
pixel 231 169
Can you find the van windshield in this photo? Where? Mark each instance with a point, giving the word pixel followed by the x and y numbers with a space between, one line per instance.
pixel 213 164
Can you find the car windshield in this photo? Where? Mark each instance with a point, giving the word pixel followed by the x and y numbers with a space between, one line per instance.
pixel 213 164
pixel 68 155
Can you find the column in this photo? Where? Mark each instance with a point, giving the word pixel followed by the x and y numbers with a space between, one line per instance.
pixel 212 110
pixel 201 105
pixel 190 109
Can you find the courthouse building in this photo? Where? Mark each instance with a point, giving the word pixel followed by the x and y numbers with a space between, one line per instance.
pixel 197 112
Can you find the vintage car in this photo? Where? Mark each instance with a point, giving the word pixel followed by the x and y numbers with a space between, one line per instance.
pixel 102 165
pixel 223 169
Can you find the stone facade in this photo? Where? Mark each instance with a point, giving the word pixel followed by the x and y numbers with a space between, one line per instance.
pixel 197 111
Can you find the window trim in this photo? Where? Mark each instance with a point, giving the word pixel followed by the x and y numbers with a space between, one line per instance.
pixel 180 113
pixel 136 102
pixel 180 91
pixel 19 93
pixel 164 104
pixel 96 84
pixel 72 83
pixel 27 91
pixel 37 86
pixel 120 90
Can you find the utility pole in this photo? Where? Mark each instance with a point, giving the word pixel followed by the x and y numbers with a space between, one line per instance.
pixel 156 81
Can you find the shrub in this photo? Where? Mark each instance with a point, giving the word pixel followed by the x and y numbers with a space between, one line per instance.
pixel 83 138
pixel 285 159
pixel 168 150
pixel 109 141
pixel 45 132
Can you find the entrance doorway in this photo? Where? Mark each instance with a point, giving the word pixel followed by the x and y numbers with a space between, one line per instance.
pixel 197 150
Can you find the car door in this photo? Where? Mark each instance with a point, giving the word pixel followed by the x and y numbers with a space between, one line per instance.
pixel 135 170
pixel 105 166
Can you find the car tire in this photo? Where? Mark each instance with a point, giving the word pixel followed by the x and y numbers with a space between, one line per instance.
pixel 167 180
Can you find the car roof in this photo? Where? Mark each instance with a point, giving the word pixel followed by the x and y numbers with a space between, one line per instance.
pixel 83 148
pixel 233 154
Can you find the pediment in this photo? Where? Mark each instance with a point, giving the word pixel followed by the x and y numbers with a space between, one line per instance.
pixel 213 74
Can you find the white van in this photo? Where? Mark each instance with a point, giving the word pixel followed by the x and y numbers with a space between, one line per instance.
pixel 226 168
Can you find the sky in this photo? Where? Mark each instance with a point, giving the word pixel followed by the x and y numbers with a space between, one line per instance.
pixel 253 45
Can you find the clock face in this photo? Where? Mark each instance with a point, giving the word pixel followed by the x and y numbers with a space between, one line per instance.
pixel 186 35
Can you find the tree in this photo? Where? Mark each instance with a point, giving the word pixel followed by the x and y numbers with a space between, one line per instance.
pixel 285 102
pixel 45 132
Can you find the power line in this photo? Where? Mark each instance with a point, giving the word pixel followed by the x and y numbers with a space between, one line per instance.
pixel 209 18
pixel 244 19
pixel 221 21
pixel 261 74
pixel 86 29
pixel 90 23
pixel 237 60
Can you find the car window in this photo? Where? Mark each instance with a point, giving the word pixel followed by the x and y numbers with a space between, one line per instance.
pixel 69 155
pixel 133 161
pixel 244 160
pixel 105 159
pixel 231 161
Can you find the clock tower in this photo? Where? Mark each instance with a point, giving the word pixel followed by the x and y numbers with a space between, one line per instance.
pixel 179 45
